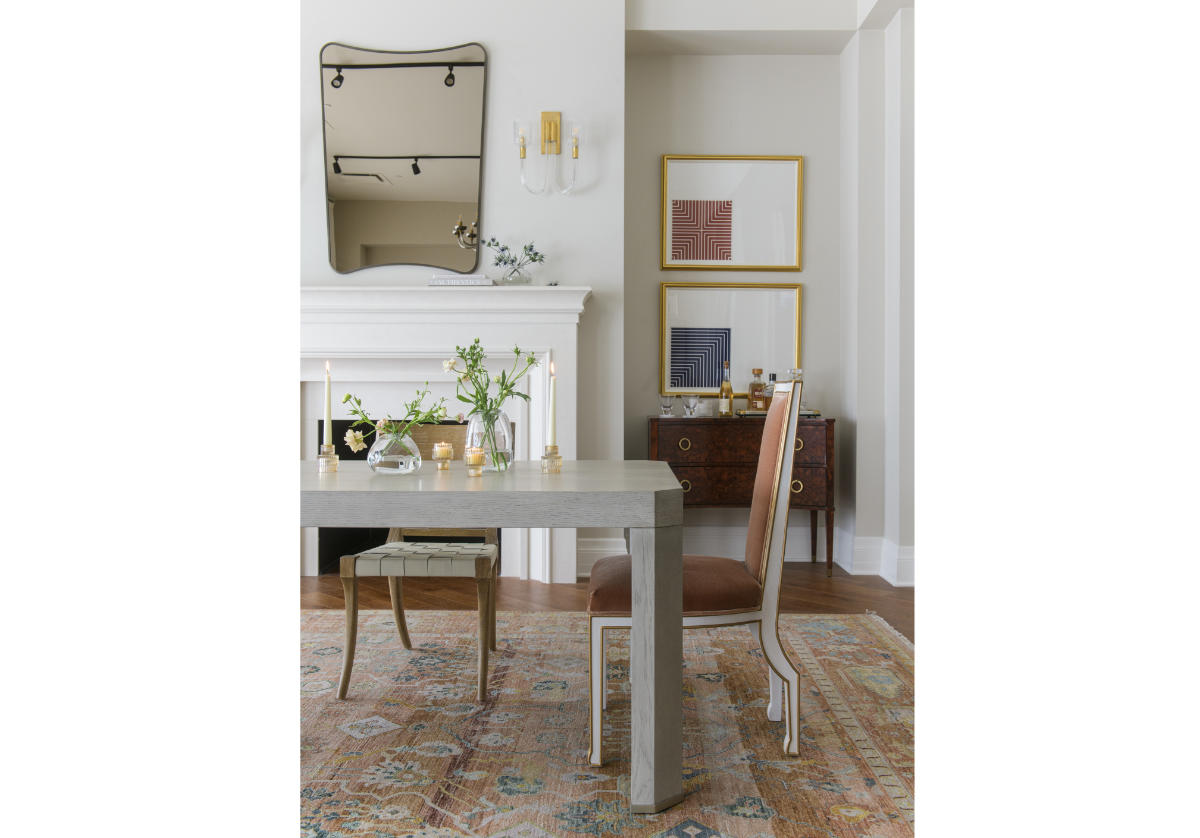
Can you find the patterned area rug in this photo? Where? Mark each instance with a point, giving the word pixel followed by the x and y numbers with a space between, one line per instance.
pixel 410 753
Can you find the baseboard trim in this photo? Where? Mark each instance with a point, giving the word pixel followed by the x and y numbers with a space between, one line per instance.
pixel 588 551
pixel 897 566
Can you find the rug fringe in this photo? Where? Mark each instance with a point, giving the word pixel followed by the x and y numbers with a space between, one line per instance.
pixel 908 644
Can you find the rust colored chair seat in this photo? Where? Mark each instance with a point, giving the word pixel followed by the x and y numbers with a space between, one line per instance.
pixel 711 585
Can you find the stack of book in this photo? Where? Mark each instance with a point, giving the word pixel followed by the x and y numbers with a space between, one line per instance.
pixel 459 279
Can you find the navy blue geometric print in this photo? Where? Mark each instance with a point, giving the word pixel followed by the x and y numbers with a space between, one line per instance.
pixel 697 356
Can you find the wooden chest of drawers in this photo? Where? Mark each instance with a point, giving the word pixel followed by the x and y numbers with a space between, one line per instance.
pixel 715 461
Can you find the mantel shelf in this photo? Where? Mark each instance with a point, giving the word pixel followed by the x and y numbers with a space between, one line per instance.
pixel 498 299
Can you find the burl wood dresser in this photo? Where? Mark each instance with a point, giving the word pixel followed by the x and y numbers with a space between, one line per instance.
pixel 715 461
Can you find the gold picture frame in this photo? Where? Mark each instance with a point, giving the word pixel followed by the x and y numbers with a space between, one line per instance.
pixel 736 207
pixel 760 322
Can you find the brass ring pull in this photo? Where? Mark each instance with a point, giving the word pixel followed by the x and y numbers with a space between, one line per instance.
pixel 687 485
pixel 797 487
pixel 799 444
pixel 685 444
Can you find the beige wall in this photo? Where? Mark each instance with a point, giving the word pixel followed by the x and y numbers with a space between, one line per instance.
pixel 777 104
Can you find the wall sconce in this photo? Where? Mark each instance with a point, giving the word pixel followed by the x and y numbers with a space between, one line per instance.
pixel 550 137
pixel 467 239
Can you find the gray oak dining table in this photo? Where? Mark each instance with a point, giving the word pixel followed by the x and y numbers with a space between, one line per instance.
pixel 638 495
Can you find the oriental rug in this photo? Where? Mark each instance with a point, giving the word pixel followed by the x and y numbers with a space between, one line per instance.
pixel 410 752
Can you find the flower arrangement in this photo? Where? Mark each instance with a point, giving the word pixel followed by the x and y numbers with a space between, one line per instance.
pixel 474 387
pixel 513 263
pixel 414 414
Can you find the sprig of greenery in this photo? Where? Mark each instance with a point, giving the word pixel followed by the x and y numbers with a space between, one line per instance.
pixel 414 414
pixel 474 383
pixel 505 258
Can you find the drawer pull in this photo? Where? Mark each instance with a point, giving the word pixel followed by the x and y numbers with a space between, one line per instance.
pixel 799 444
pixel 685 444
pixel 687 485
pixel 797 487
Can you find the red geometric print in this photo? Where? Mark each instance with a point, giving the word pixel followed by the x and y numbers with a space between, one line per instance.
pixel 701 230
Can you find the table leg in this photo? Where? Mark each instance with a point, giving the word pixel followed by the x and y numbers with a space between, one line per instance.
pixel 656 669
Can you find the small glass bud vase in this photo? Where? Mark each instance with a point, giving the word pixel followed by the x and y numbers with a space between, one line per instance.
pixel 394 454
pixel 492 432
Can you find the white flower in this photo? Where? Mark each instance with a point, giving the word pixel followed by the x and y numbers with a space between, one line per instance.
pixel 448 366
pixel 354 439
pixel 496 379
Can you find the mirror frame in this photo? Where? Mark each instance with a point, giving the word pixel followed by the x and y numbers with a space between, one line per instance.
pixel 482 138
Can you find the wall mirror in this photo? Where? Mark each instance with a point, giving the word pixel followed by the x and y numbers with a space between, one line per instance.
pixel 403 155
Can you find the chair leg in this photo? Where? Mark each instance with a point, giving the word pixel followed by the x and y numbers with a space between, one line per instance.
pixel 782 665
pixel 397 594
pixel 774 683
pixel 350 587
pixel 492 608
pixel 483 585
pixel 603 673
pixel 596 682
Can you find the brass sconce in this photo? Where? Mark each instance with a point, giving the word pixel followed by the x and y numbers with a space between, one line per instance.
pixel 550 147
pixel 467 239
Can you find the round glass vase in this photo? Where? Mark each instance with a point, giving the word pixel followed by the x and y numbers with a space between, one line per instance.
pixel 394 454
pixel 515 276
pixel 492 432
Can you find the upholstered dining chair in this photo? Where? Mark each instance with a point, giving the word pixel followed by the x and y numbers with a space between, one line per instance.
pixel 720 591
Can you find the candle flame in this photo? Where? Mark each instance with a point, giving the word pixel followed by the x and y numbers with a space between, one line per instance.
pixel 552 368
pixel 326 366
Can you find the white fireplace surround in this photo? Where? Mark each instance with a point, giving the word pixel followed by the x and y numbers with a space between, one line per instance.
pixel 383 343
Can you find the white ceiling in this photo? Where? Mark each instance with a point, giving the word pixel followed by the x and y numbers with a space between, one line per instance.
pixel 741 42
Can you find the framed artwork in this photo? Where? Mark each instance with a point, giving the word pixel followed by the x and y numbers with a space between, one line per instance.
pixel 731 213
pixel 704 324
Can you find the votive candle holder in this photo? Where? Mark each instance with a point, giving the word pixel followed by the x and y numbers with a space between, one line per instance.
pixel 474 460
pixel 443 453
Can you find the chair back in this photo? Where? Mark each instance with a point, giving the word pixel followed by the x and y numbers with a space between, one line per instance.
pixel 766 536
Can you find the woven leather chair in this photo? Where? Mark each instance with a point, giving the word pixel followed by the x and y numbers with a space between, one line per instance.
pixel 414 558
pixel 719 591
pixel 399 558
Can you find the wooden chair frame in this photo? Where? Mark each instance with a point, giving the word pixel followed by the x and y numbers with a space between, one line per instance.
pixel 783 676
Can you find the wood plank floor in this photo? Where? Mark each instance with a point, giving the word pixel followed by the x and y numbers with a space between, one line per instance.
pixel 806 590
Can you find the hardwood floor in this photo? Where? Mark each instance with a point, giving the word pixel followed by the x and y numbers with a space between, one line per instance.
pixel 806 590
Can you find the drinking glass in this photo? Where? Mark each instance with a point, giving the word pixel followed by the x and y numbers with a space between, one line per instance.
pixel 664 404
pixel 689 405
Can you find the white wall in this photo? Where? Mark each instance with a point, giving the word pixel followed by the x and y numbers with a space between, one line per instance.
pixel 875 448
pixel 542 55
pixel 745 104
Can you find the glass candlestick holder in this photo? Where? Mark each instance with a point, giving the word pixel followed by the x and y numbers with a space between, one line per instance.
pixel 327 460
pixel 443 453
pixel 551 460
pixel 474 460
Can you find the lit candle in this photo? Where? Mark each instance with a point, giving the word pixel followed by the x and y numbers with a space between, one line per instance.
pixel 443 452
pixel 328 410
pixel 474 458
pixel 553 405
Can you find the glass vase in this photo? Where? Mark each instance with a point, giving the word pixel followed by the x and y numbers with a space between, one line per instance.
pixel 492 431
pixel 394 454
pixel 515 276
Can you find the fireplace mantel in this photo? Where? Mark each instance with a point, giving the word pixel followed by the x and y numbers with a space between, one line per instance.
pixel 462 304
pixel 383 341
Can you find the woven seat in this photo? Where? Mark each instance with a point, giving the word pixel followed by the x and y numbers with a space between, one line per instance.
pixel 398 559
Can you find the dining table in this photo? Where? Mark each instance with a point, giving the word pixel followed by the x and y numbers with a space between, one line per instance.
pixel 643 497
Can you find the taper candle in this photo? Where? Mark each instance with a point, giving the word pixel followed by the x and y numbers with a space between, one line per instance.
pixel 553 405
pixel 328 440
